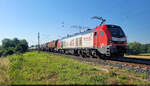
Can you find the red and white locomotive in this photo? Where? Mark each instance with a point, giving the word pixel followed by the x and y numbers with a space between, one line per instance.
pixel 102 41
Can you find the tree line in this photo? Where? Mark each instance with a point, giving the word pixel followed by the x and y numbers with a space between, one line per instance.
pixel 136 48
pixel 11 46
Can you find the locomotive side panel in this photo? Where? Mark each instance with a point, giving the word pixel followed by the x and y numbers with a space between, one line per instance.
pixel 100 36
pixel 66 43
pixel 79 41
pixel 71 42
pixel 87 40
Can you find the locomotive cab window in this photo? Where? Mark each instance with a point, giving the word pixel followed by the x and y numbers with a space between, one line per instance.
pixel 116 32
pixel 101 33
pixel 95 34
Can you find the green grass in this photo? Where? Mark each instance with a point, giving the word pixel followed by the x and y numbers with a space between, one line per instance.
pixel 45 68
pixel 144 54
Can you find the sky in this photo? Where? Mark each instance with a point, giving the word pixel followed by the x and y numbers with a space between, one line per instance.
pixel 25 18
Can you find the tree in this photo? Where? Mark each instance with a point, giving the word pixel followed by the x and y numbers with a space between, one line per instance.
pixel 148 48
pixel 0 47
pixel 144 48
pixel 13 46
pixel 7 43
pixel 8 51
pixel 22 46
pixel 135 48
pixel 16 41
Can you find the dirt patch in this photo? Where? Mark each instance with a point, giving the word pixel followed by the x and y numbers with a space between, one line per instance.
pixel 142 57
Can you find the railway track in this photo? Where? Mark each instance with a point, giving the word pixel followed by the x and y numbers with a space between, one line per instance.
pixel 137 65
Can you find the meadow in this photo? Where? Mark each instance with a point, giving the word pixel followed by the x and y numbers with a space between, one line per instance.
pixel 45 68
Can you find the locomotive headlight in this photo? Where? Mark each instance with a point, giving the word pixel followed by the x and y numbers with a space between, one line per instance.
pixel 109 41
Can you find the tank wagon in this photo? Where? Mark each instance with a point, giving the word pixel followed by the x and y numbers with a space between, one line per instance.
pixel 103 41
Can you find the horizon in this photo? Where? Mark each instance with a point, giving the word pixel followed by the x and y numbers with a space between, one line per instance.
pixel 53 18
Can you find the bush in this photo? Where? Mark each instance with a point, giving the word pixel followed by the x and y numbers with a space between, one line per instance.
pixel 137 48
pixel 8 51
pixel 10 47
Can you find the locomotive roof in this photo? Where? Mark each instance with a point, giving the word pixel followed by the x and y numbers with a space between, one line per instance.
pixel 81 33
pixel 110 25
pixel 88 31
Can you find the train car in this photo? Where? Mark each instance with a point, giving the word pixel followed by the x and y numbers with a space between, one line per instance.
pixel 102 41
pixel 33 48
pixel 44 47
pixel 52 45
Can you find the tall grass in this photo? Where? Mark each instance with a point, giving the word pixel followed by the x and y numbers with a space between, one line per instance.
pixel 45 68
pixel 4 67
pixel 16 64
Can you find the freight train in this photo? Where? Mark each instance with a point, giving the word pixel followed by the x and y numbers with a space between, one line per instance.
pixel 104 41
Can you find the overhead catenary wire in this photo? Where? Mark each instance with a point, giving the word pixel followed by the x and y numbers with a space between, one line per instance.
pixel 99 18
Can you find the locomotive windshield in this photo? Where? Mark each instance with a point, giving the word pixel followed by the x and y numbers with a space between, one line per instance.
pixel 116 32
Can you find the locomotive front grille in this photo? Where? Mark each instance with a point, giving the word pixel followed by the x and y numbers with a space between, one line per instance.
pixel 118 42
